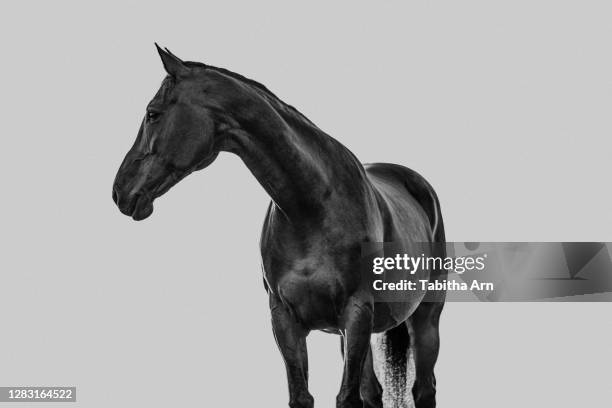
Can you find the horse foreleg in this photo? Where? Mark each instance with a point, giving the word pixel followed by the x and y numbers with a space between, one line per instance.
pixel 291 340
pixel 356 334
pixel 371 390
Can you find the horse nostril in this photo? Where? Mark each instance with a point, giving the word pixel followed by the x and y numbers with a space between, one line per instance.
pixel 115 195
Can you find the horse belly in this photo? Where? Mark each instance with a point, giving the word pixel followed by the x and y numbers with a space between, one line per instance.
pixel 390 314
pixel 393 308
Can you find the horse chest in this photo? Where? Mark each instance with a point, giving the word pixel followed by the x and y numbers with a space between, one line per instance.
pixel 313 290
pixel 311 270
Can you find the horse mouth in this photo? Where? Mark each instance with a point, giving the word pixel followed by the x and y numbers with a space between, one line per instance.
pixel 139 208
pixel 142 209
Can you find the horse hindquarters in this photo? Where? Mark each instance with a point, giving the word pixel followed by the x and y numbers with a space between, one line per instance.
pixel 421 328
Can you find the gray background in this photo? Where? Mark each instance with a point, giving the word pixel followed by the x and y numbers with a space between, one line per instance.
pixel 504 106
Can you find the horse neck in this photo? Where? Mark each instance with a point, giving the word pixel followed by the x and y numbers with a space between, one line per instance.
pixel 302 168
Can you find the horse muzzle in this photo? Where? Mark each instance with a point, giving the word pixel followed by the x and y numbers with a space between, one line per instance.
pixel 136 205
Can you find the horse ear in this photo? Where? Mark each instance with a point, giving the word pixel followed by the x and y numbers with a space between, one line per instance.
pixel 173 65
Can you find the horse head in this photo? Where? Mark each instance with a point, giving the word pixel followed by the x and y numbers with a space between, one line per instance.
pixel 178 135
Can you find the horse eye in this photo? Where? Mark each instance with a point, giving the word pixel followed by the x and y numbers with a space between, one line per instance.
pixel 152 115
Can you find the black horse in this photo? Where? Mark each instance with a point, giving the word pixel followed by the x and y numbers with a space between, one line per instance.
pixel 325 205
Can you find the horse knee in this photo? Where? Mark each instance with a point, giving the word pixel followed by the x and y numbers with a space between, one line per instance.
pixel 304 400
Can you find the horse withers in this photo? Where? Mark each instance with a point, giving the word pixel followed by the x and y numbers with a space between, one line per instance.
pixel 324 205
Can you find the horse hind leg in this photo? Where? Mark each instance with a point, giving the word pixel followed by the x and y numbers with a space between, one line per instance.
pixel 424 330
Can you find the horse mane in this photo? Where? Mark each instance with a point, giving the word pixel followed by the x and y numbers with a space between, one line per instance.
pixel 257 85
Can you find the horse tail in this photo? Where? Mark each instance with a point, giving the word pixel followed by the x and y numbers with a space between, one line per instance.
pixel 394 345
